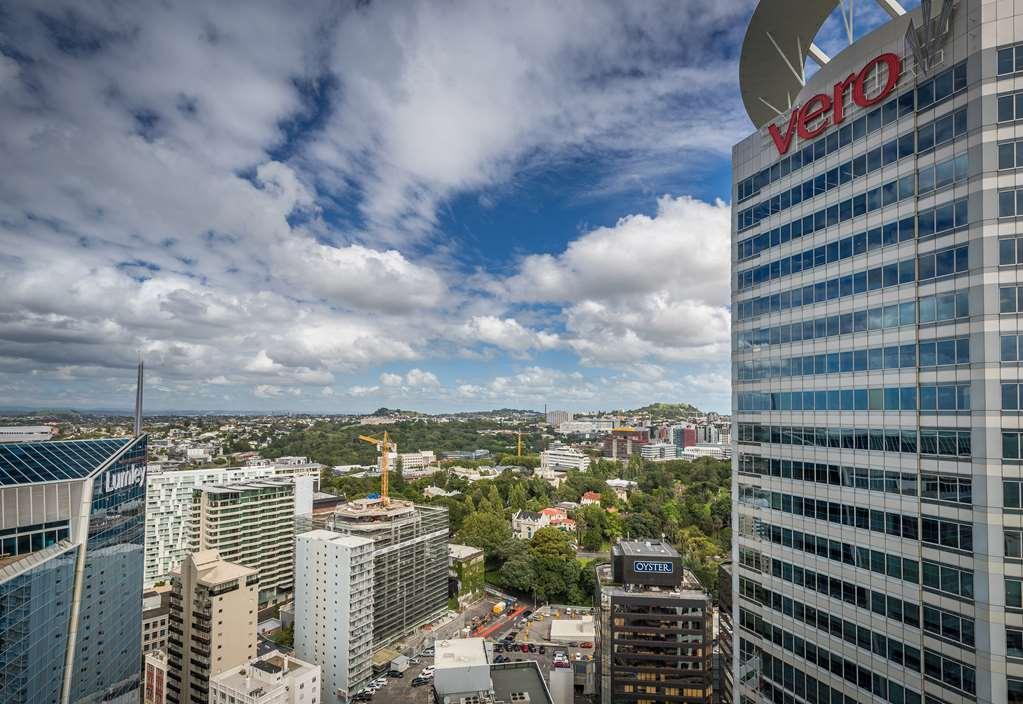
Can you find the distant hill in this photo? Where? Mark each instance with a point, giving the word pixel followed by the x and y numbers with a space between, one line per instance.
pixel 667 410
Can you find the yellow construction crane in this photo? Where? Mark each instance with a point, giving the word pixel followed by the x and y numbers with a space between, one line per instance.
pixel 385 446
pixel 520 444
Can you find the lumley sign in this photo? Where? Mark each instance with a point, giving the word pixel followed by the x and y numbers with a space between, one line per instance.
pixel 133 476
pixel 822 110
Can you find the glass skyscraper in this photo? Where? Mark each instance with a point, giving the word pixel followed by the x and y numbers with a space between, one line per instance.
pixel 875 311
pixel 72 520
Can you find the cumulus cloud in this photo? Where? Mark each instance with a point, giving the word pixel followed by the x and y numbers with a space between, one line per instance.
pixel 649 287
pixel 250 195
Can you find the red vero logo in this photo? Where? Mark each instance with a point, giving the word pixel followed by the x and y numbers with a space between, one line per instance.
pixel 812 118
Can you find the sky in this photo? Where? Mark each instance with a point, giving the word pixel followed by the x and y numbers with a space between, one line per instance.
pixel 436 205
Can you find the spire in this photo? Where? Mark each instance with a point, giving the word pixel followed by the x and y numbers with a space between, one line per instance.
pixel 138 400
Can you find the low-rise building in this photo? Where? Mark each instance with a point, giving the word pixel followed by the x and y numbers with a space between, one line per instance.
pixel 26 433
pixel 155 610
pixel 621 487
pixel 561 457
pixel 718 452
pixel 659 451
pixel 274 678
pixel 526 523
pixel 590 498
pixel 154 678
pixel 466 573
pixel 464 673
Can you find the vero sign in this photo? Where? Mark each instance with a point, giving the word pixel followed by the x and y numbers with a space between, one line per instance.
pixel 822 110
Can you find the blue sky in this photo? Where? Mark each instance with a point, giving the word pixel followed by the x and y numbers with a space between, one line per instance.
pixel 433 205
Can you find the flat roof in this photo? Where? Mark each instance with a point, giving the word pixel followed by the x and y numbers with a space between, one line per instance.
pixel 460 652
pixel 463 552
pixel 644 548
pixel 352 541
pixel 573 629
pixel 515 678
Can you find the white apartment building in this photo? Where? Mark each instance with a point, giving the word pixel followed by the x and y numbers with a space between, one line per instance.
pixel 586 426
pixel 526 523
pixel 251 524
pixel 26 433
pixel 334 608
pixel 169 506
pixel 718 452
pixel 659 451
pixel 273 678
pixel 561 456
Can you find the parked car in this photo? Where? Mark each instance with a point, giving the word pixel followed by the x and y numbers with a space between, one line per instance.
pixel 543 649
pixel 573 644
pixel 532 648
pixel 362 697
pixel 395 674
pixel 562 663
pixel 586 644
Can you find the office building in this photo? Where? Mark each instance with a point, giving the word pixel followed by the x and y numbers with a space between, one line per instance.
pixel 561 457
pixel 71 532
pixel 169 506
pixel 410 573
pixel 251 524
pixel 334 591
pixel 26 433
pixel 724 684
pixel 464 673
pixel 875 322
pixel 654 636
pixel 154 678
pixel 556 418
pixel 586 426
pixel 683 435
pixel 155 611
pixel 658 451
pixel 623 443
pixel 274 678
pixel 213 611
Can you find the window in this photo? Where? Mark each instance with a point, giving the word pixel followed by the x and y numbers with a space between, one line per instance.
pixel 1010 154
pixel 1013 593
pixel 1013 543
pixel 1010 60
pixel 1010 202
pixel 1010 106
pixel 947 172
pixel 1011 494
pixel 1010 445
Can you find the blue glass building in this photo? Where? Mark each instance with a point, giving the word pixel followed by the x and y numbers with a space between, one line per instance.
pixel 72 517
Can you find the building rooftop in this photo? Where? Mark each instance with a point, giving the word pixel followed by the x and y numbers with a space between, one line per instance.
pixel 690 588
pixel 352 541
pixel 56 460
pixel 263 675
pixel 252 485
pixel 460 652
pixel 578 629
pixel 644 548
pixel 463 552
pixel 370 510
pixel 212 570
pixel 512 680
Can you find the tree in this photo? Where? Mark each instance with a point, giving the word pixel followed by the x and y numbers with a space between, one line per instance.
pixel 485 530
pixel 555 566
pixel 517 497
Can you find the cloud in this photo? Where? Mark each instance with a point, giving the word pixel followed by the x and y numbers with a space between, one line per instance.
pixel 648 288
pixel 508 334
pixel 268 391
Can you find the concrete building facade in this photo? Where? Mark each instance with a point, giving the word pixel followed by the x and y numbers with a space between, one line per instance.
pixel 251 524
pixel 876 328
pixel 274 678
pixel 410 575
pixel 334 592
pixel 564 457
pixel 213 612
pixel 169 506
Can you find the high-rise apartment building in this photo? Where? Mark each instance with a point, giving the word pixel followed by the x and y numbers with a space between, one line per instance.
pixel 654 640
pixel 154 677
pixel 155 613
pixel 410 574
pixel 71 532
pixel 875 319
pixel 562 457
pixel 724 684
pixel 251 524
pixel 623 443
pixel 334 608
pixel 213 612
pixel 169 506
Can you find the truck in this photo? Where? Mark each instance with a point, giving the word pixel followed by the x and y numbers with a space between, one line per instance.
pixel 498 608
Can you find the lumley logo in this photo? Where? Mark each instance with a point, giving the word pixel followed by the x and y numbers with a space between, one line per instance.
pixel 813 117
pixel 648 566
pixel 133 476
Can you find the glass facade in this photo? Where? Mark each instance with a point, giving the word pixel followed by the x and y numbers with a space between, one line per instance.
pixel 37 603
pixel 877 287
pixel 35 613
pixel 108 654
